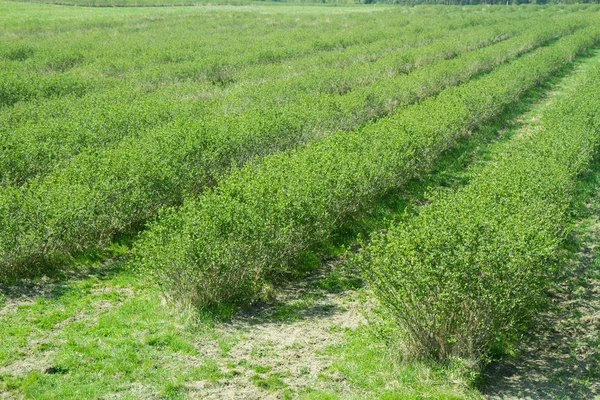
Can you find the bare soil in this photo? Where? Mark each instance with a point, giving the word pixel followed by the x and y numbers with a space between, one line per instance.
pixel 278 340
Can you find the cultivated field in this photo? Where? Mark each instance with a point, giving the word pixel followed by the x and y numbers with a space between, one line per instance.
pixel 255 201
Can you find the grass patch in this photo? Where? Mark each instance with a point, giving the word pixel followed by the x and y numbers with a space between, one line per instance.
pixel 270 382
pixel 110 326
pixel 364 367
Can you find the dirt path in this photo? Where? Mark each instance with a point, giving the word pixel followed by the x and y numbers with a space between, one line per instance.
pixel 278 347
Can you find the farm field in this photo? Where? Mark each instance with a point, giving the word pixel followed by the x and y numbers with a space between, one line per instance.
pixel 260 200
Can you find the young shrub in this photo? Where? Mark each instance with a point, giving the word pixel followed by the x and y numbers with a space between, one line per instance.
pixel 471 270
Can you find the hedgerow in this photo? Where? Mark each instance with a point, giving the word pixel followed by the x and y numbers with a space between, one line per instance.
pixel 227 244
pixel 467 274
pixel 98 194
pixel 45 60
pixel 33 145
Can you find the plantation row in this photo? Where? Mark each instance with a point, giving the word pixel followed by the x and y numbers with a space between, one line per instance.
pixel 39 135
pixel 33 146
pixel 217 51
pixel 98 194
pixel 65 63
pixel 228 243
pixel 474 265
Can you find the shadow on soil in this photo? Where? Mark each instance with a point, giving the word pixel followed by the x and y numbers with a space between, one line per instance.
pixel 59 283
pixel 303 299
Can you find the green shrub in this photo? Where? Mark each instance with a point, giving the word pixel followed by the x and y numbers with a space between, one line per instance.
pixel 105 191
pixel 472 268
pixel 224 245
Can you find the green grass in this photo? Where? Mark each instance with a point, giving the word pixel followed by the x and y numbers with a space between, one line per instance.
pixel 109 326
pixel 364 362
pixel 108 332
pixel 271 382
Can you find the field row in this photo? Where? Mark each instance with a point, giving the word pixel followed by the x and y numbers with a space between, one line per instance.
pixel 472 268
pixel 39 135
pixel 98 194
pixel 55 131
pixel 151 51
pixel 231 241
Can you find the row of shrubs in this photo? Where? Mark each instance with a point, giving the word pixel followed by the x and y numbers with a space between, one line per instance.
pixel 52 61
pixel 98 194
pixel 159 48
pixel 230 242
pixel 471 270
pixel 39 135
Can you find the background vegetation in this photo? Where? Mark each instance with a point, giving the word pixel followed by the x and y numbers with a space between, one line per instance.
pixel 172 3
